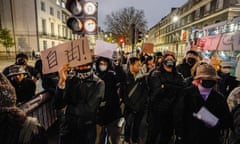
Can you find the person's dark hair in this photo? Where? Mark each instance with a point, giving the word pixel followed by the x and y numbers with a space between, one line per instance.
pixel 21 55
pixel 192 52
pixel 133 60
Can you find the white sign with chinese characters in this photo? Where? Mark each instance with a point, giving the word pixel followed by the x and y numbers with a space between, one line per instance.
pixel 75 53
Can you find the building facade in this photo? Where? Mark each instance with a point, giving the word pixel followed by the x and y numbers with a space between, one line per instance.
pixel 174 34
pixel 35 24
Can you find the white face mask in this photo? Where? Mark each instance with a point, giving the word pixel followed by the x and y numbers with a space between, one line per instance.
pixel 226 70
pixel 102 68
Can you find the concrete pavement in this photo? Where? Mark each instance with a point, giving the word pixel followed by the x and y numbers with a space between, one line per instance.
pixel 4 62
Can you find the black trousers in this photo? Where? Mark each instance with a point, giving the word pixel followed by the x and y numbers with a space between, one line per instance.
pixel 74 131
pixel 133 126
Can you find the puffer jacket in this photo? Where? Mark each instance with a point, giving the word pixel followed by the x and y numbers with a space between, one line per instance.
pixel 164 88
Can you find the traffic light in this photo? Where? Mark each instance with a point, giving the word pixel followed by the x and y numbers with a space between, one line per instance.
pixel 121 40
pixel 139 36
pixel 84 16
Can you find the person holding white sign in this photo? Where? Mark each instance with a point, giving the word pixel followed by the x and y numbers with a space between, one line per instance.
pixel 202 111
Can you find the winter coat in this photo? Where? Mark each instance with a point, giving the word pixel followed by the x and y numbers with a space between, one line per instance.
pixel 165 88
pixel 81 97
pixel 25 90
pixel 16 128
pixel 226 84
pixel 137 100
pixel 235 134
pixel 184 69
pixel 193 130
pixel 110 110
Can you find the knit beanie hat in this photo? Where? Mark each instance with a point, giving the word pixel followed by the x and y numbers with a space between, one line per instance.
pixel 7 93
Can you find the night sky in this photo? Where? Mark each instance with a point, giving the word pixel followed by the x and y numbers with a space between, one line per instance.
pixel 154 9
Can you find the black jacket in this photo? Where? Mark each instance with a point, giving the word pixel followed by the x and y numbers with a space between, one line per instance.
pixel 195 131
pixel 82 97
pixel 25 90
pixel 111 110
pixel 184 69
pixel 164 89
pixel 137 101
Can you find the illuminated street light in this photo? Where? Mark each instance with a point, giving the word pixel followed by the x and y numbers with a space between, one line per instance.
pixel 175 18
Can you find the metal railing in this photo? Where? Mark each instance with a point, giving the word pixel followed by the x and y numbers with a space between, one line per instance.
pixel 41 107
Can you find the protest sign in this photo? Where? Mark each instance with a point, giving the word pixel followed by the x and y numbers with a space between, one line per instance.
pixel 147 48
pixel 75 53
pixel 105 49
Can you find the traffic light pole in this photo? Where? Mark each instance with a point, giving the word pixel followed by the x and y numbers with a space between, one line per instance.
pixel 133 37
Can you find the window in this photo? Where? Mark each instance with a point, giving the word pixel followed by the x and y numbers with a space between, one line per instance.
pixel 53 43
pixel 59 28
pixel 238 26
pixel 189 17
pixel 207 8
pixel 58 15
pixel 64 31
pixel 51 11
pixel 220 4
pixel 43 6
pixel 197 13
pixel 52 29
pixel 44 30
pixel 44 44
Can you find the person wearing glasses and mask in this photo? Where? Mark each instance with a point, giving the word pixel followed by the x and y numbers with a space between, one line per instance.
pixel 203 111
pixel 165 84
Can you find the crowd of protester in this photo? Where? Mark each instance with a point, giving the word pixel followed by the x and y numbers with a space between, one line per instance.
pixel 144 99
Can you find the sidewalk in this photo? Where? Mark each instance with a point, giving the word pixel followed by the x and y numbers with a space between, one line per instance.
pixel 7 62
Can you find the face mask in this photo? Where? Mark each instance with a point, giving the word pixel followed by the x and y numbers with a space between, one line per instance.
pixel 102 68
pixel 208 83
pixel 191 61
pixel 169 63
pixel 226 70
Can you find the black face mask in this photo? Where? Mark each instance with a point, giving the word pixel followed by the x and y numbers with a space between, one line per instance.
pixel 170 63
pixel 191 61
pixel 208 83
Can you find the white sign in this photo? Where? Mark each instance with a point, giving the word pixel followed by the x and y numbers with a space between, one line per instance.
pixel 75 53
pixel 230 41
pixel 105 49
